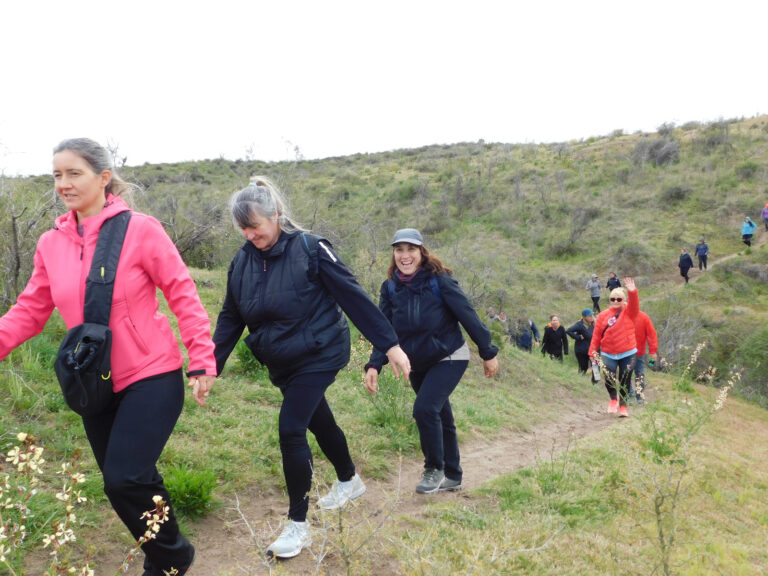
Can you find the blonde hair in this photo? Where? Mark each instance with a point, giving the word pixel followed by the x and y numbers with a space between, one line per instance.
pixel 261 197
pixel 616 292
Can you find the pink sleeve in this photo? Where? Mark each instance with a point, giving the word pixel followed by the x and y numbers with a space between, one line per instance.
pixel 169 272
pixel 27 317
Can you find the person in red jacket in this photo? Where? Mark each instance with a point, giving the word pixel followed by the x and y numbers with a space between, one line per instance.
pixel 614 344
pixel 128 437
pixel 646 338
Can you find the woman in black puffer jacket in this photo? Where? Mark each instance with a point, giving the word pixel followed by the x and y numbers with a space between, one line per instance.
pixel 425 304
pixel 289 288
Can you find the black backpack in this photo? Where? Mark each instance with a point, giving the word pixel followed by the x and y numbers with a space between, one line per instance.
pixel 83 363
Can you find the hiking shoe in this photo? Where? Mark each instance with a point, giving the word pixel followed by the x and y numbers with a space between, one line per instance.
pixel 623 412
pixel 341 493
pixel 450 485
pixel 640 400
pixel 292 540
pixel 613 407
pixel 430 481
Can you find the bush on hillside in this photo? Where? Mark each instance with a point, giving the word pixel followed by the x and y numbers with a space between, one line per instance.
pixel 675 194
pixel 658 152
pixel 746 170
pixel 634 257
pixel 750 355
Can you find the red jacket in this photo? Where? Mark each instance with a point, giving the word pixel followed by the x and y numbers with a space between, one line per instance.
pixel 143 343
pixel 620 337
pixel 645 334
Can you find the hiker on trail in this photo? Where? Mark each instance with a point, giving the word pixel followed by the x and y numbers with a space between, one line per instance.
pixel 524 333
pixel 702 251
pixel 614 345
pixel 613 282
pixel 555 341
pixel 129 434
pixel 747 230
pixel 427 308
pixel 581 332
pixel 685 264
pixel 289 287
pixel 646 340
pixel 594 288
pixel 764 215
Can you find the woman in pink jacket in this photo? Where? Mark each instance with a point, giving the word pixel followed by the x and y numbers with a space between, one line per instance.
pixel 614 343
pixel 129 435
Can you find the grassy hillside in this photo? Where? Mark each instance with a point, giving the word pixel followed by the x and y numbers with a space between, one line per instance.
pixel 522 226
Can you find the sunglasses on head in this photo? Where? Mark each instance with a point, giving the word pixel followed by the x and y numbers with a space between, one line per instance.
pixel 617 299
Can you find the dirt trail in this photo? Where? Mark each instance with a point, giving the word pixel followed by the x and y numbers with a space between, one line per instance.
pixel 233 541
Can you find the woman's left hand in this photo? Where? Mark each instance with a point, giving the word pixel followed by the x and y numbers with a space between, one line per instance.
pixel 201 387
pixel 491 367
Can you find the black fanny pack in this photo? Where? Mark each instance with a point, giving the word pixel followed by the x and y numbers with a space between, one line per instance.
pixel 83 364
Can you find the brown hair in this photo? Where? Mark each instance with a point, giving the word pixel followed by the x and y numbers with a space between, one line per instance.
pixel 429 262
pixel 99 159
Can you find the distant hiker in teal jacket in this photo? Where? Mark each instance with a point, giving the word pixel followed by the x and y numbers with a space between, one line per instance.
pixel 747 230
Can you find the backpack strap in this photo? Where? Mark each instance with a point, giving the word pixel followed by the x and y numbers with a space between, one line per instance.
pixel 101 277
pixel 314 260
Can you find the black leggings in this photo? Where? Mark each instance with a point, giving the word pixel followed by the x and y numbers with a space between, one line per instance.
pixel 596 304
pixel 305 407
pixel 583 360
pixel 127 440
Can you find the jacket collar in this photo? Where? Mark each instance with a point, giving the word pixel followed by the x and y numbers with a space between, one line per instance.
pixel 277 250
pixel 68 222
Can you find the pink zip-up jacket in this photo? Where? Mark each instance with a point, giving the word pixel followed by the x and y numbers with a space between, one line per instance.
pixel 143 343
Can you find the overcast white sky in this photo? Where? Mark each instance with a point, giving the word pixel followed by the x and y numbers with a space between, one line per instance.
pixel 172 80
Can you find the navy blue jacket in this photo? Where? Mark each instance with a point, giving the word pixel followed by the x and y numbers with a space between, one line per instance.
pixel 581 333
pixel 293 312
pixel 427 325
pixel 685 262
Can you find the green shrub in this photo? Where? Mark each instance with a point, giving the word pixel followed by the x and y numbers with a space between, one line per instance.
pixel 746 170
pixel 191 491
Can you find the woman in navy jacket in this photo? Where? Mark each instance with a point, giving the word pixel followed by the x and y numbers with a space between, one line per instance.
pixel 289 288
pixel 425 304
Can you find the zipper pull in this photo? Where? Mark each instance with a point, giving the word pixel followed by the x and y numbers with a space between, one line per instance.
pixel 265 265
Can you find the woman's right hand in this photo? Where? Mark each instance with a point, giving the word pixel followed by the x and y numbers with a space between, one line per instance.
pixel 399 361
pixel 372 380
pixel 629 284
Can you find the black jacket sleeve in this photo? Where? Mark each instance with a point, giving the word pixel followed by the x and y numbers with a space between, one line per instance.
pixel 576 331
pixel 229 326
pixel 458 303
pixel 564 338
pixel 355 302
pixel 379 358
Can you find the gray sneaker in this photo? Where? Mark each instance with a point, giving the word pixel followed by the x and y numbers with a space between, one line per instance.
pixel 450 485
pixel 430 481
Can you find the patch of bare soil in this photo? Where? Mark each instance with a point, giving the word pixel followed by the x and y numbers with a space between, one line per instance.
pixel 233 541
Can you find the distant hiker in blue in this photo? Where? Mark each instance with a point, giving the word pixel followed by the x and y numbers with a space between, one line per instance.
pixel 524 333
pixel 581 332
pixel 685 263
pixel 702 251
pixel 747 230
pixel 594 288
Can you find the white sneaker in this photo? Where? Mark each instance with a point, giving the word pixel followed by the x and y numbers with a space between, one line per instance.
pixel 292 540
pixel 341 493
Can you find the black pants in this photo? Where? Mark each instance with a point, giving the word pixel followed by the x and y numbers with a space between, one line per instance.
pixel 619 375
pixel 747 239
pixel 127 441
pixel 305 407
pixel 703 262
pixel 584 362
pixel 596 304
pixel 684 274
pixel 434 417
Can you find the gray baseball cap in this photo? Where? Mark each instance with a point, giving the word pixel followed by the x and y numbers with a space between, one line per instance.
pixel 408 235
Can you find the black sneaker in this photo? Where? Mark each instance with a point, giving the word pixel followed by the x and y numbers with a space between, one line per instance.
pixel 430 481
